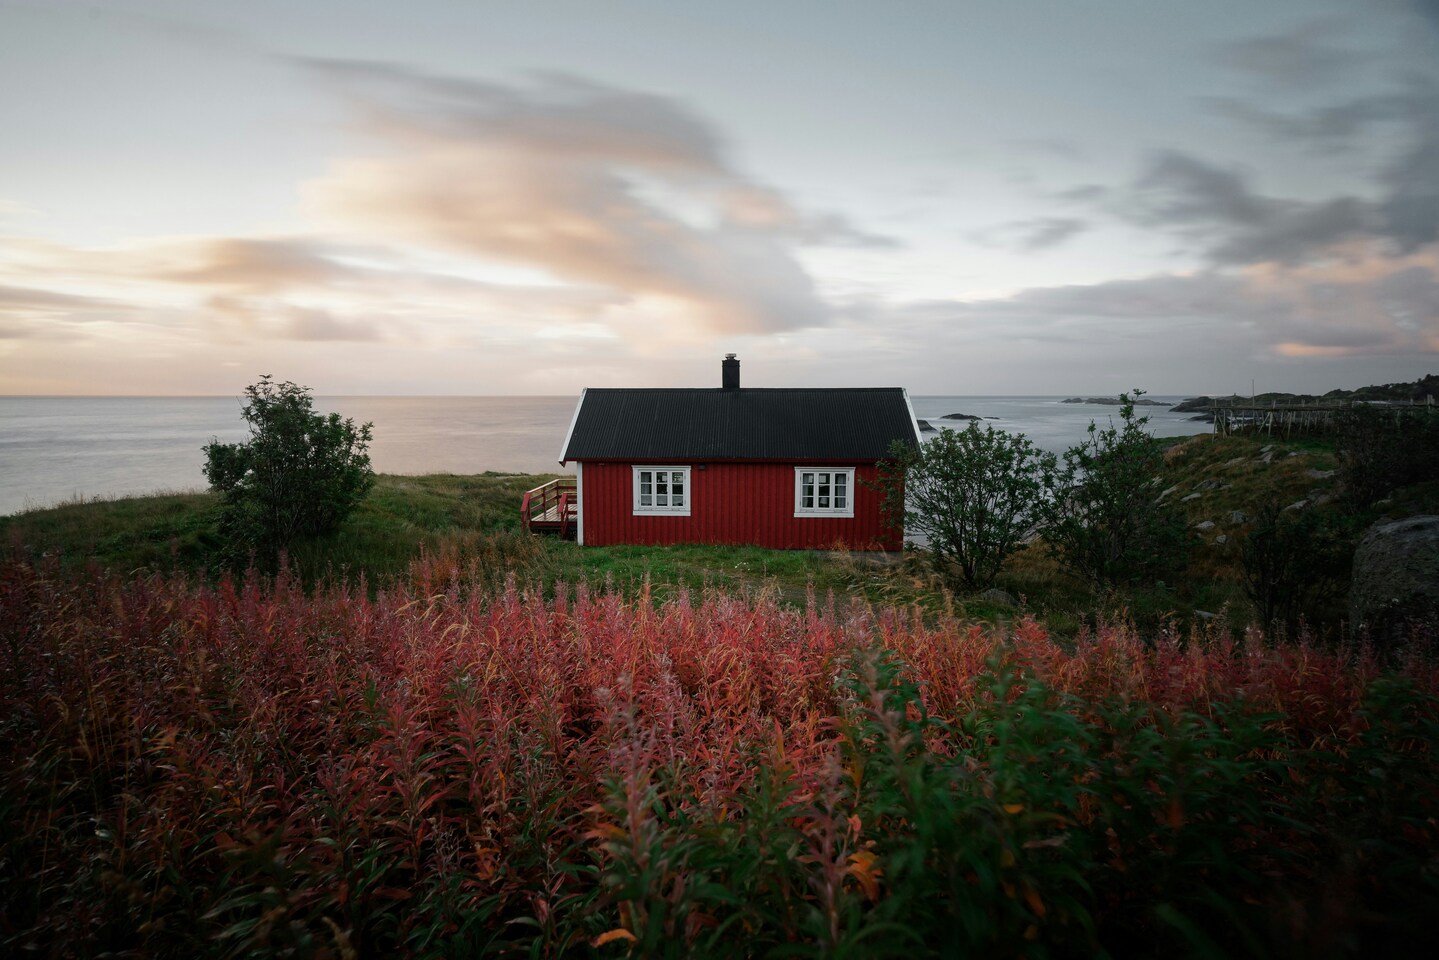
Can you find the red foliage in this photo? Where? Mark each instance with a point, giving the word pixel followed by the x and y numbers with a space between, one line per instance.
pixel 431 742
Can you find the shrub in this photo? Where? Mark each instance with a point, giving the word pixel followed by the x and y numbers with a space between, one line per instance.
pixel 1383 448
pixel 1294 558
pixel 299 475
pixel 973 494
pixel 1105 519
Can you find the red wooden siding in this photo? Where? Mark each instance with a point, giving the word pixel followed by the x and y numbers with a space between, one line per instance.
pixel 733 503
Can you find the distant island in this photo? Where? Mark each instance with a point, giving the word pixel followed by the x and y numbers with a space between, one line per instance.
pixel 1417 392
pixel 1114 401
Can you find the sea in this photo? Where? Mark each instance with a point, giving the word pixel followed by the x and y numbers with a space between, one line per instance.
pixel 66 449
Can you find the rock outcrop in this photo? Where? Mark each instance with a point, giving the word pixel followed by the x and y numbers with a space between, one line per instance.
pixel 1395 590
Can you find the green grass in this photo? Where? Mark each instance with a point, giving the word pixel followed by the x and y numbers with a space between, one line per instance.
pixel 456 525
pixel 127 534
pixel 463 525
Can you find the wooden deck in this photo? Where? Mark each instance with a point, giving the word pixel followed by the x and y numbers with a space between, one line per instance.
pixel 551 508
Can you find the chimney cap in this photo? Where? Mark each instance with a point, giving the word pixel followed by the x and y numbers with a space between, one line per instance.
pixel 729 356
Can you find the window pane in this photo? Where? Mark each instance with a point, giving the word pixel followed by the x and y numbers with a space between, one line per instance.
pixel 662 500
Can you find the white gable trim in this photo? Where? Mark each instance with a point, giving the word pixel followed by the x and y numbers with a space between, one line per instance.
pixel 913 423
pixel 574 419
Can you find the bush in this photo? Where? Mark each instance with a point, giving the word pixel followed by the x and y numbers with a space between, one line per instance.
pixel 1105 520
pixel 1384 448
pixel 1294 560
pixel 299 475
pixel 972 493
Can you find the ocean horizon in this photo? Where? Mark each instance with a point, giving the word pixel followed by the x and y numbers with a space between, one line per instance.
pixel 60 449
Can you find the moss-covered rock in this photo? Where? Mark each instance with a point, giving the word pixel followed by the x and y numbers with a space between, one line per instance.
pixel 1395 591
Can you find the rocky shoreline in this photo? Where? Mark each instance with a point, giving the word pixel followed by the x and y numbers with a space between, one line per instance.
pixel 1115 401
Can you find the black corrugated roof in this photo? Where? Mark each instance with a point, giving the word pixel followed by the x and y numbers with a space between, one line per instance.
pixel 744 424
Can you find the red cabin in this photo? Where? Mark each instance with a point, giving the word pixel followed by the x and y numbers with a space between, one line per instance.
pixel 780 468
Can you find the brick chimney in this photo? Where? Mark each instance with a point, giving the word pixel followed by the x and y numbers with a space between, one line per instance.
pixel 729 371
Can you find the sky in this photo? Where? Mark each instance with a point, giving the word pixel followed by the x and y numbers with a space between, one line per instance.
pixel 463 197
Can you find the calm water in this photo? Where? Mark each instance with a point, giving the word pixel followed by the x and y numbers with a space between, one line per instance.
pixel 62 448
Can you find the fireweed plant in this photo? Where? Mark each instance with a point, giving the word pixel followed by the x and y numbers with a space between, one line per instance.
pixel 250 769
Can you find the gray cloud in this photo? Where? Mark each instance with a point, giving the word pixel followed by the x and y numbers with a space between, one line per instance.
pixel 1215 207
pixel 1032 236
pixel 1337 127
pixel 1371 307
pixel 1305 57
pixel 556 112
pixel 1410 211
pixel 1082 193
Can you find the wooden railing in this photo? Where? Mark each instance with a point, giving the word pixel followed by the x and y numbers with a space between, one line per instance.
pixel 550 507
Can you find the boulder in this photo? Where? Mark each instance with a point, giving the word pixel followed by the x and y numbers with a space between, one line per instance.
pixel 1204 525
pixel 926 427
pixel 997 597
pixel 1395 590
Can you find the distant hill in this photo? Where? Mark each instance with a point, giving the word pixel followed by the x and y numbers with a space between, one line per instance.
pixel 1427 386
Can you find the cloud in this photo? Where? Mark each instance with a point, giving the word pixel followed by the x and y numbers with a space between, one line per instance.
pixel 1339 127
pixel 1216 208
pixel 1301 58
pixel 1082 193
pixel 588 183
pixel 30 313
pixel 257 265
pixel 1369 304
pixel 277 320
pixel 1032 236
pixel 1410 210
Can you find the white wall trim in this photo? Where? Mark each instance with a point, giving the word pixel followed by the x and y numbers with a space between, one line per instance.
pixel 580 503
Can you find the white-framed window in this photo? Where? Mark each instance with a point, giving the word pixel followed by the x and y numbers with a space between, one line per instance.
pixel 824 491
pixel 662 490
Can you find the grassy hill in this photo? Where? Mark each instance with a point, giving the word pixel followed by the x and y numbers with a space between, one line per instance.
pixel 433 527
